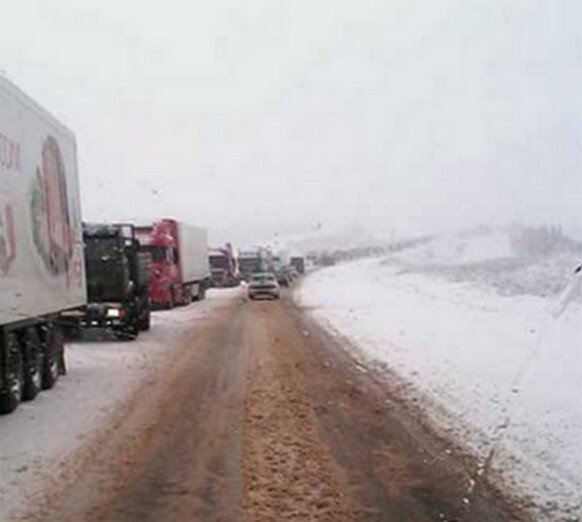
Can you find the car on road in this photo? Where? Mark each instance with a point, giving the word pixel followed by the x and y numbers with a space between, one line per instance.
pixel 263 284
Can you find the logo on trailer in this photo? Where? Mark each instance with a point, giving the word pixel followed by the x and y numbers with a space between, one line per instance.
pixel 9 161
pixel 51 220
pixel 7 238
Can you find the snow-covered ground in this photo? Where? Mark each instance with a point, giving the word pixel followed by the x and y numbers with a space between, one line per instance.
pixel 35 438
pixel 474 329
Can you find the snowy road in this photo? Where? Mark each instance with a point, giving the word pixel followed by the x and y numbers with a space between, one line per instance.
pixel 230 410
pixel 42 436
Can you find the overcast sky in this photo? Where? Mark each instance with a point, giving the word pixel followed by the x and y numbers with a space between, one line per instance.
pixel 278 115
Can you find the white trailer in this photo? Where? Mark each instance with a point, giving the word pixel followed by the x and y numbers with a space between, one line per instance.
pixel 193 260
pixel 42 269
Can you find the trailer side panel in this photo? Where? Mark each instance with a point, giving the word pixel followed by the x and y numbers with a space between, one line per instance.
pixel 41 249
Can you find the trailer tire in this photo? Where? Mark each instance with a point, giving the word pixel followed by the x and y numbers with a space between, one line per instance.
pixel 187 294
pixel 53 360
pixel 201 291
pixel 32 363
pixel 10 400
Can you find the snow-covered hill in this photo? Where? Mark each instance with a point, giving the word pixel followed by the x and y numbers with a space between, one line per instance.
pixel 472 325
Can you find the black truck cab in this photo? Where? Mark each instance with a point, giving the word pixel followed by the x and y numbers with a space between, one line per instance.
pixel 118 278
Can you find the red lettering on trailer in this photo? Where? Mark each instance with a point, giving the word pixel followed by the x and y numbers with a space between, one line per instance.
pixel 7 238
pixel 9 153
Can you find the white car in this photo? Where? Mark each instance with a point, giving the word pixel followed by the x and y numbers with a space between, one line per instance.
pixel 263 284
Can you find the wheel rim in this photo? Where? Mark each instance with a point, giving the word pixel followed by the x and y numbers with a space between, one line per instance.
pixel 16 388
pixel 54 369
pixel 17 378
pixel 53 350
pixel 36 377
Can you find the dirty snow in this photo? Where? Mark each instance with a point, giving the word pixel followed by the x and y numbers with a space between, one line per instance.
pixel 100 375
pixel 473 329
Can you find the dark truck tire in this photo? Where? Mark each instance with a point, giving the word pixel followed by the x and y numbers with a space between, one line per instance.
pixel 171 303
pixel 127 332
pixel 32 363
pixel 201 291
pixel 10 399
pixel 189 296
pixel 124 335
pixel 53 356
pixel 145 321
pixel 186 296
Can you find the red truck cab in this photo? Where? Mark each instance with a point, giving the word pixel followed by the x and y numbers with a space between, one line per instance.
pixel 179 261
pixel 161 240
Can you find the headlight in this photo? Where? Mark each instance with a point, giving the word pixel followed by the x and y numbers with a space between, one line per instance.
pixel 113 312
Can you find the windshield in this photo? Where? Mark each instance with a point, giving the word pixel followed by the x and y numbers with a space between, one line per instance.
pixel 249 263
pixel 158 253
pixel 219 262
pixel 263 278
pixel 102 248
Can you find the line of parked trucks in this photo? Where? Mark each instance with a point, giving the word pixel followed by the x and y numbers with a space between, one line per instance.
pixel 132 269
pixel 59 275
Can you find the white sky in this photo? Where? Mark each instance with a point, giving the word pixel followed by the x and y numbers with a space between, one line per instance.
pixel 277 115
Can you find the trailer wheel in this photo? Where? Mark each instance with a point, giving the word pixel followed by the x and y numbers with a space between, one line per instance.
pixel 10 399
pixel 187 296
pixel 53 360
pixel 145 321
pixel 32 364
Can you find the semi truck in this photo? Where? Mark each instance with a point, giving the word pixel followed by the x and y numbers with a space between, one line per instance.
pixel 223 267
pixel 118 279
pixel 253 260
pixel 179 253
pixel 42 268
pixel 280 267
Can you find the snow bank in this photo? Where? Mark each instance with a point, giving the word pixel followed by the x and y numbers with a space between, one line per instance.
pixel 473 357
pixel 100 375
